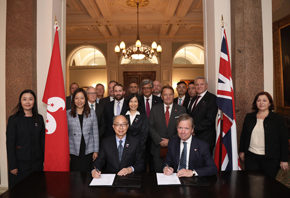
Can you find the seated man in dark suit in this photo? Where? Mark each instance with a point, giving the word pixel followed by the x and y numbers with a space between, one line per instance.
pixel 74 86
pixel 187 155
pixel 182 98
pixel 120 153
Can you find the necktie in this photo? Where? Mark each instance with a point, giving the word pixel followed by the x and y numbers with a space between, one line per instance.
pixel 195 103
pixel 182 162
pixel 120 150
pixel 190 104
pixel 167 116
pixel 118 108
pixel 92 106
pixel 147 108
pixel 180 99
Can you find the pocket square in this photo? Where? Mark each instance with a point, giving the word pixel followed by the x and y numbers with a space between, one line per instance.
pixel 176 116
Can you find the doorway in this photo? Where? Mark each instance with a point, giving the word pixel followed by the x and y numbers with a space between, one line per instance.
pixel 137 77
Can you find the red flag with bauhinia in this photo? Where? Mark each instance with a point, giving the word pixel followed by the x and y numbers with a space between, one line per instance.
pixel 56 138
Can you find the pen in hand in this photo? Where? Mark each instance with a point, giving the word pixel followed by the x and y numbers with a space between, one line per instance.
pixel 97 170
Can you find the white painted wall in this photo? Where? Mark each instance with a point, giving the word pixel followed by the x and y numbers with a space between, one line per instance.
pixel 268 46
pixel 212 12
pixel 3 153
pixel 46 12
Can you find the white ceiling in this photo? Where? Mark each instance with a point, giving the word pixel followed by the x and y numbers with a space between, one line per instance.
pixel 100 21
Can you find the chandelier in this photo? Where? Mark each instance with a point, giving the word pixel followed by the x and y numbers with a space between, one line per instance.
pixel 138 51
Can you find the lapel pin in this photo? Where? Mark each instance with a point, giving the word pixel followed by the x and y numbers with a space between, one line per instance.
pixel 175 109
pixel 36 124
pixel 195 149
pixel 127 145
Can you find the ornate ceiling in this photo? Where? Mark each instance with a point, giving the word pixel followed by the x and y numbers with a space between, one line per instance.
pixel 99 21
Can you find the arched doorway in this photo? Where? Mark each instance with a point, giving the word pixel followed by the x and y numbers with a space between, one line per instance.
pixel 86 65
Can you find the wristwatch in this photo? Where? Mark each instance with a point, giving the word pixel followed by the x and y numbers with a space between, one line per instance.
pixel 194 172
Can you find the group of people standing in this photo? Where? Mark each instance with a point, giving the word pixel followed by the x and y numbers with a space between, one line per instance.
pixel 148 131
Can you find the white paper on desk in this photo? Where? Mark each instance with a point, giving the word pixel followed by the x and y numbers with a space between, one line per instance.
pixel 167 179
pixel 104 180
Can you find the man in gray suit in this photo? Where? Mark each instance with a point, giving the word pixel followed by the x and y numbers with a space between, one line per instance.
pixel 162 125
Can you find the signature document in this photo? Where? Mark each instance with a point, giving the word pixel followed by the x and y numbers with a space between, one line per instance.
pixel 104 180
pixel 167 179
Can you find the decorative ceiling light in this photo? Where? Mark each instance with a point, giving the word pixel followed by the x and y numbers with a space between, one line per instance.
pixel 138 51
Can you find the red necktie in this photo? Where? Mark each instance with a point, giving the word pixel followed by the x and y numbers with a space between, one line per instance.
pixel 167 116
pixel 195 103
pixel 147 107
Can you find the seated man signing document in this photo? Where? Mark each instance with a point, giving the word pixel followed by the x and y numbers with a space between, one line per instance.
pixel 187 155
pixel 121 153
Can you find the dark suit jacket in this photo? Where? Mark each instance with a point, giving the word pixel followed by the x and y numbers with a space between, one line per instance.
pixel 155 100
pixel 104 101
pixel 199 157
pixel 204 115
pixel 139 128
pixel 185 102
pixel 276 136
pixel 68 102
pixel 109 115
pixel 20 132
pixel 99 109
pixel 109 155
pixel 157 125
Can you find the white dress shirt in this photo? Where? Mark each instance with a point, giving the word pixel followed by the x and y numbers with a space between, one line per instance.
pixel 116 104
pixel 170 108
pixel 123 144
pixel 94 107
pixel 132 117
pixel 182 100
pixel 201 96
pixel 111 98
pixel 150 101
pixel 188 141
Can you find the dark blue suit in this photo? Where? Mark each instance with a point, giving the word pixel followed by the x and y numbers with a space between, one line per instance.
pixel 199 157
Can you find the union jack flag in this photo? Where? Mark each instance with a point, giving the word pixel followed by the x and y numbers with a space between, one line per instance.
pixel 226 148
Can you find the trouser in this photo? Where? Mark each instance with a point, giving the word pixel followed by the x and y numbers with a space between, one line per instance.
pixel 269 166
pixel 158 164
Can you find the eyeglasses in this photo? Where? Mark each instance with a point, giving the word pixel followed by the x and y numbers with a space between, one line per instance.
pixel 146 88
pixel 120 125
pixel 93 93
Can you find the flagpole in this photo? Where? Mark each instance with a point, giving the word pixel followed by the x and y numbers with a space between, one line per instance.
pixel 221 126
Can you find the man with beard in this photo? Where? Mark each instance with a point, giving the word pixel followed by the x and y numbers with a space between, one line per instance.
pixel 109 98
pixel 156 88
pixel 115 108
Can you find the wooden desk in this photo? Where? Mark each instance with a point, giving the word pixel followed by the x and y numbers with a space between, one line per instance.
pixel 242 184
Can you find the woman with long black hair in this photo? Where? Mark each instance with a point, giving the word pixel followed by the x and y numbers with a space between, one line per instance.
pixel 25 139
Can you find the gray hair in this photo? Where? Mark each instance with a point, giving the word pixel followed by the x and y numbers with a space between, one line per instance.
pixel 146 82
pixel 200 77
pixel 87 91
pixel 117 116
pixel 183 117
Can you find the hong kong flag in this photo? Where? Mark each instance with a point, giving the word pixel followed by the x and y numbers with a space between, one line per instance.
pixel 56 137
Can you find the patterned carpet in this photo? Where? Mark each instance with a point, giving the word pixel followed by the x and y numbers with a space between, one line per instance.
pixel 284 178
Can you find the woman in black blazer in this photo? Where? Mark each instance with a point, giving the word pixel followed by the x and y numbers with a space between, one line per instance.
pixel 264 140
pixel 138 123
pixel 25 139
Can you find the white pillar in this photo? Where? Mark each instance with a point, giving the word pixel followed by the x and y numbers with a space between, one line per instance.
pixel 3 153
pixel 212 12
pixel 46 12
pixel 166 62
pixel 268 46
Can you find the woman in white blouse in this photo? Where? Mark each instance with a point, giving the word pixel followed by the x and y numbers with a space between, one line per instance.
pixel 138 123
pixel 264 140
